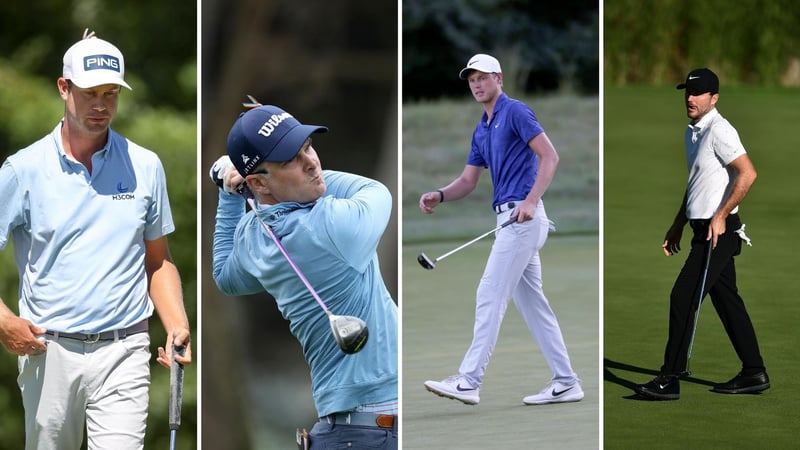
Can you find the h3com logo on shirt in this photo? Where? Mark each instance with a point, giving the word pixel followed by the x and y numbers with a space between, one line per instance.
pixel 123 193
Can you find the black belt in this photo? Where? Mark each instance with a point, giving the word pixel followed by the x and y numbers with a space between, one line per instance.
pixel 503 207
pixel 140 327
pixel 361 419
pixel 701 224
pixel 704 223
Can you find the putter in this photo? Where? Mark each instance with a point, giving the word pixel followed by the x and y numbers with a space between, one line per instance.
pixel 688 372
pixel 430 264
pixel 351 333
pixel 175 394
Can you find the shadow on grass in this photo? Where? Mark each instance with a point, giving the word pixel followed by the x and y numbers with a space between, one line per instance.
pixel 609 376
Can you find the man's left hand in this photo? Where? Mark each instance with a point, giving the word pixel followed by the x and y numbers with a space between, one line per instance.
pixel 179 337
pixel 715 229
pixel 525 211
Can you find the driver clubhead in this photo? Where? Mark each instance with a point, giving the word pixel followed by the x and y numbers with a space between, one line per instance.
pixel 426 262
pixel 351 333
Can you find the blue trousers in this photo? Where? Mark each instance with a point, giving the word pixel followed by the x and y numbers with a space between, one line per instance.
pixel 341 436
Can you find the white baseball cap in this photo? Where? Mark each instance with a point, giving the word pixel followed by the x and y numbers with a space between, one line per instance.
pixel 92 62
pixel 481 62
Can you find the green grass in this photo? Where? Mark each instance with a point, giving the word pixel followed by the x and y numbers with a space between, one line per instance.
pixel 437 318
pixel 436 142
pixel 644 180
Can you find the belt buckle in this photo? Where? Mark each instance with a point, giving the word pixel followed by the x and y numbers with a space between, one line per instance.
pixel 91 338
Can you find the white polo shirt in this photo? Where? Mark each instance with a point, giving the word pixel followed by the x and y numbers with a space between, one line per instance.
pixel 711 145
pixel 79 238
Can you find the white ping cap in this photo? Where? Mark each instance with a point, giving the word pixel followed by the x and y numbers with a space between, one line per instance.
pixel 92 62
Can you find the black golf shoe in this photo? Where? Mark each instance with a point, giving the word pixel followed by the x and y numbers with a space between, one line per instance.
pixel 662 387
pixel 744 384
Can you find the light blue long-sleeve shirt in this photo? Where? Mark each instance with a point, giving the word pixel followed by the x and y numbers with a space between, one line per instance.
pixel 333 241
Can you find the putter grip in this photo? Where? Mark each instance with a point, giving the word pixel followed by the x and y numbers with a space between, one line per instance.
pixel 175 388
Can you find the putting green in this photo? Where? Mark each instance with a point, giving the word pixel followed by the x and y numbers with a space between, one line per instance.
pixel 644 180
pixel 437 317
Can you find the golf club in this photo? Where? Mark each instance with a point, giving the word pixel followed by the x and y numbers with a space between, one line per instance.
pixel 697 312
pixel 351 333
pixel 430 264
pixel 175 394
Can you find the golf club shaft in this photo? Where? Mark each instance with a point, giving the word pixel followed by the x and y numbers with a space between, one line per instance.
pixel 505 224
pixel 288 258
pixel 699 302
pixel 175 393
pixel 245 192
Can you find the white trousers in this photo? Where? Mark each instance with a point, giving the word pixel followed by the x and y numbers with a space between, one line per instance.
pixel 102 387
pixel 514 270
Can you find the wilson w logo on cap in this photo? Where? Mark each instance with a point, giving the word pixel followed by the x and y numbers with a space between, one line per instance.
pixel 107 62
pixel 266 133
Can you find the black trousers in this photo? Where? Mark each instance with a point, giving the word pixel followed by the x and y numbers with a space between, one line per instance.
pixel 721 287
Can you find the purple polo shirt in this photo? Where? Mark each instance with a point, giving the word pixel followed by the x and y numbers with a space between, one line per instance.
pixel 502 146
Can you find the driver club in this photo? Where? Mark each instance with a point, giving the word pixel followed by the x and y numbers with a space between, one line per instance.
pixel 350 332
pixel 430 264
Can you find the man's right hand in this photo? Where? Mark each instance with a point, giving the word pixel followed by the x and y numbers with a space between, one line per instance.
pixel 672 241
pixel 19 336
pixel 428 201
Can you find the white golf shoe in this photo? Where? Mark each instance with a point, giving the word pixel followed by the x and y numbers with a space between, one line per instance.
pixel 455 387
pixel 556 392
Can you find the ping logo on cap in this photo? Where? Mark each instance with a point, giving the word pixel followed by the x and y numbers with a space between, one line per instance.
pixel 95 62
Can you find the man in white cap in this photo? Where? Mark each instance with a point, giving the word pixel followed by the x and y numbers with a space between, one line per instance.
pixel 511 143
pixel 88 213
pixel 330 224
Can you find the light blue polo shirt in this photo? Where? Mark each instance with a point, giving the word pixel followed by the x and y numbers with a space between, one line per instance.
pixel 333 242
pixel 79 238
pixel 502 146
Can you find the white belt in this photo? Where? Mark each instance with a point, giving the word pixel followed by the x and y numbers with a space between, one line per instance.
pixel 503 207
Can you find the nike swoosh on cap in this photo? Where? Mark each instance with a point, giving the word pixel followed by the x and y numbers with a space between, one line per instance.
pixel 694 78
pixel 556 393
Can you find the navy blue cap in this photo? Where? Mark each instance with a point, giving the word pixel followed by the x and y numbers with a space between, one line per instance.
pixel 266 133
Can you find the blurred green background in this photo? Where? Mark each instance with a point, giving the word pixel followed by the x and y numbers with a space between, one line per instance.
pixel 158 41
pixel 648 49
pixel 657 42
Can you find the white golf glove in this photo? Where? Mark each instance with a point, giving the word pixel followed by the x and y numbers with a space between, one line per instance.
pixel 221 172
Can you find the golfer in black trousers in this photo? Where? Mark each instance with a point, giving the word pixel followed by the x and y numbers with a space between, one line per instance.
pixel 720 175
